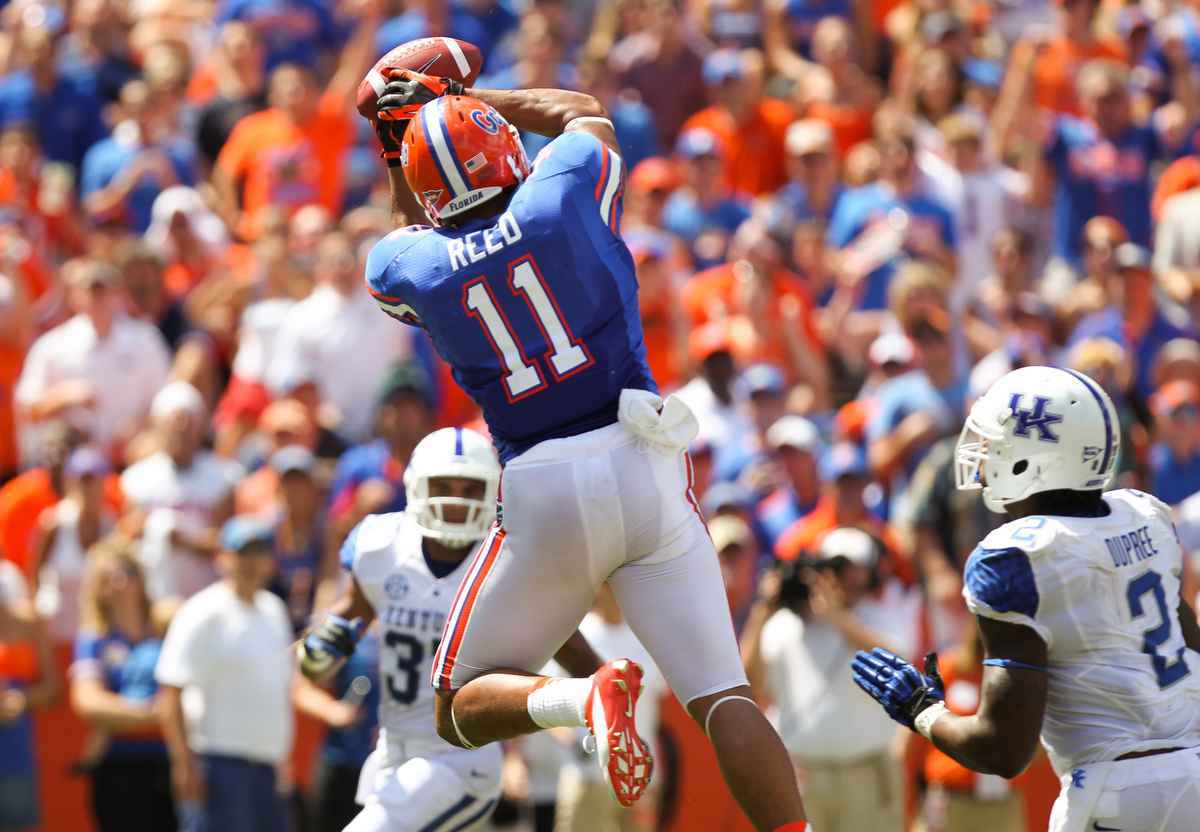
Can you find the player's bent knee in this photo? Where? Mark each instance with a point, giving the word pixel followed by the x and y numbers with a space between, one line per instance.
pixel 703 709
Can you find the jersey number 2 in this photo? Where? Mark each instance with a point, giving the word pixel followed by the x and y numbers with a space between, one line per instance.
pixel 1167 672
pixel 523 377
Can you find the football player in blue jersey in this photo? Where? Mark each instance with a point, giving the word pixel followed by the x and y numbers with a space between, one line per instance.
pixel 1087 640
pixel 523 283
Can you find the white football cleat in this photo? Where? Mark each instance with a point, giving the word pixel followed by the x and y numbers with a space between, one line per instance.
pixel 611 705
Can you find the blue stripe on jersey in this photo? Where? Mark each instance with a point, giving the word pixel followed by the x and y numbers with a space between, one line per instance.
pixel 1002 579
pixel 437 822
pixel 349 548
pixel 1108 428
pixel 458 441
pixel 425 118
pixel 441 117
pixel 475 818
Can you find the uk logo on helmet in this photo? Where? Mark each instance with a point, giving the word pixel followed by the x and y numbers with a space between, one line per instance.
pixel 1036 419
pixel 486 121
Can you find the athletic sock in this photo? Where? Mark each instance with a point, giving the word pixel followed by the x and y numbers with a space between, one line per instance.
pixel 560 703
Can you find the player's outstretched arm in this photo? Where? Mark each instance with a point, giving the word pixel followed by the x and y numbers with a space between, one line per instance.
pixel 1002 736
pixel 325 647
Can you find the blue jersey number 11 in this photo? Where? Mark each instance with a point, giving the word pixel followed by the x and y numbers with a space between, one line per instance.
pixel 1168 672
pixel 523 377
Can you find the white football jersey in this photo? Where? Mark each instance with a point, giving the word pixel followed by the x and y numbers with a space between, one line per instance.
pixel 1103 593
pixel 411 604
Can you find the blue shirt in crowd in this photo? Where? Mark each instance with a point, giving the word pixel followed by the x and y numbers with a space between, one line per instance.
pixel 1173 480
pixel 105 161
pixel 66 118
pixel 292 31
pixel 126 669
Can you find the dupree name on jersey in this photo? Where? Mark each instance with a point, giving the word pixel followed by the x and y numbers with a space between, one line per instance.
pixel 1131 547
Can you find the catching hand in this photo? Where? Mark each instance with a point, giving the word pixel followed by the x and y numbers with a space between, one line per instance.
pixel 327 645
pixel 895 684
pixel 407 92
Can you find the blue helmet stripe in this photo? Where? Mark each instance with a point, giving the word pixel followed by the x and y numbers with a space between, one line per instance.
pixel 441 104
pixel 424 118
pixel 1108 426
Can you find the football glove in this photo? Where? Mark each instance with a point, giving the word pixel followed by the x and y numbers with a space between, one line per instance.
pixel 391 139
pixel 898 686
pixel 327 645
pixel 407 92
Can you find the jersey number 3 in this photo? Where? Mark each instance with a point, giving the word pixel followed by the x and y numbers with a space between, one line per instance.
pixel 1168 672
pixel 523 377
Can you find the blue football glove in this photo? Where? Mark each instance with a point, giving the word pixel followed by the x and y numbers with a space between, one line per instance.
pixel 898 686
pixel 329 644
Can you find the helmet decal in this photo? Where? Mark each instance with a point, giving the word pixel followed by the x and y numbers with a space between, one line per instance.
pixel 487 121
pixel 1036 419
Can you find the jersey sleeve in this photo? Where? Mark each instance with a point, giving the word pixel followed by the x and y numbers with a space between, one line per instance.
pixel 385 279
pixel 350 548
pixel 593 169
pixel 1000 584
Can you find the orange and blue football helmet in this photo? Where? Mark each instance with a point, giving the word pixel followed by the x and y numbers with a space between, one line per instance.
pixel 458 153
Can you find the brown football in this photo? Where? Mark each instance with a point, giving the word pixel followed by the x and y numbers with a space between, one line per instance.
pixel 439 57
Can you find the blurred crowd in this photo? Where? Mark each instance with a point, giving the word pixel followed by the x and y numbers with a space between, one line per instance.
pixel 848 220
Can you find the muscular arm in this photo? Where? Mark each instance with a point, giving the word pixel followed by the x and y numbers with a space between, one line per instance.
pixel 1002 736
pixel 548 111
pixel 1187 623
pixel 351 605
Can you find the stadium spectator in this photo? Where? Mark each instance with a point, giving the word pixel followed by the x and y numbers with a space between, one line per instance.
pixel 749 126
pixel 1175 456
pixel 709 394
pixel 325 336
pixel 1133 316
pixel 806 618
pixel 664 324
pixel 189 240
pixel 229 88
pixel 227 650
pixel 146 291
pixel 879 226
pixel 1056 60
pixel 737 551
pixel 63 536
pixel 700 211
pixel 15 334
pixel 836 90
pixel 1176 241
pixel 28 681
pixel 98 45
pixel 123 174
pixel 632 120
pixel 113 690
pixel 178 497
pixel 813 187
pixel 284 423
pixel 794 446
pixel 33 92
pixel 100 369
pixel 301 552
pixel 291 31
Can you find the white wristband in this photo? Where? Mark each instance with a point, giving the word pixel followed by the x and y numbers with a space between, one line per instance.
pixel 580 121
pixel 924 721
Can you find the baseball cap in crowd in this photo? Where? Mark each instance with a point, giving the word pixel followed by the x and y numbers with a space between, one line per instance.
pixel 176 397
pixel 91 273
pixel 293 459
pixel 808 135
pixel 1174 395
pixel 722 496
pixel 647 244
pixel 842 460
pixel 723 65
pixel 697 142
pixel 245 532
pixel 727 530
pixel 850 543
pixel 86 461
pixel 762 378
pixel 407 377
pixel 654 174
pixel 793 432
pixel 891 348
pixel 1131 257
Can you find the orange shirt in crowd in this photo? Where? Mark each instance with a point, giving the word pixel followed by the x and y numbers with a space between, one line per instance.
pixel 805 535
pixel 1057 67
pixel 22 501
pixel 714 293
pixel 752 153
pixel 284 164
pixel 849 125
pixel 1181 175
pixel 11 359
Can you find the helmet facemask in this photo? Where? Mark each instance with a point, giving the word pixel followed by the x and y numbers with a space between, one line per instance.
pixel 429 513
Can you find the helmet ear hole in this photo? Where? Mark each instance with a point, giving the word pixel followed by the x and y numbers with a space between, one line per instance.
pixel 1019 467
